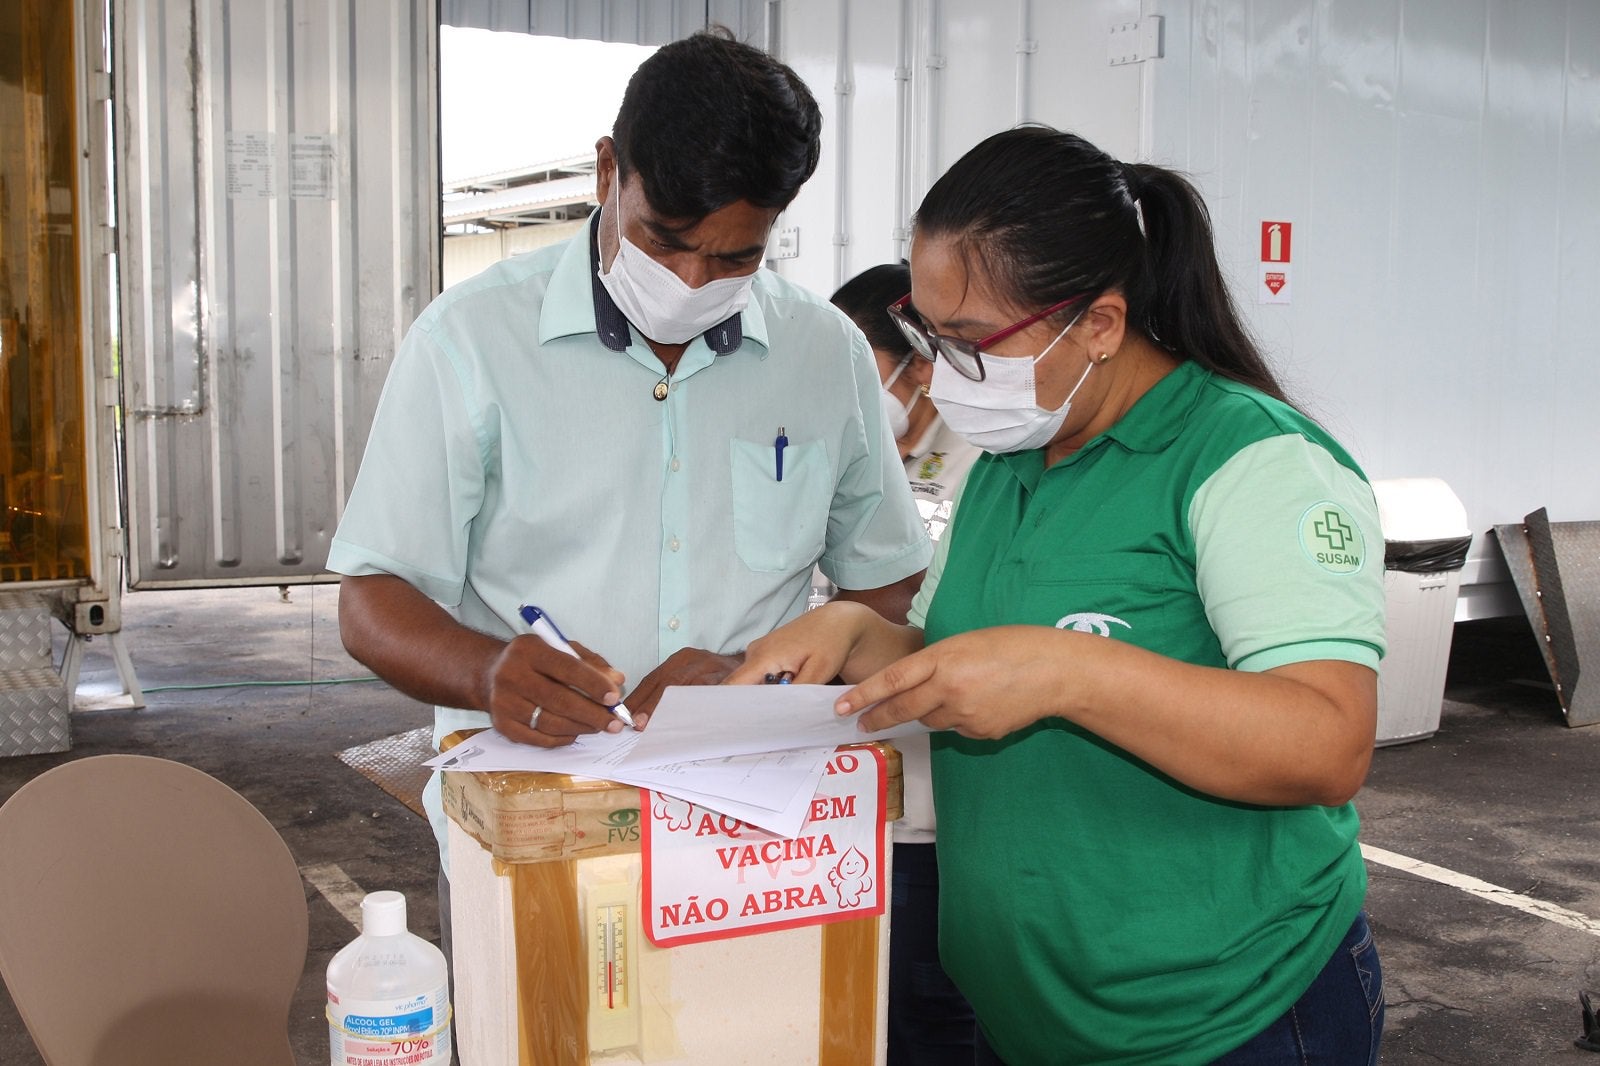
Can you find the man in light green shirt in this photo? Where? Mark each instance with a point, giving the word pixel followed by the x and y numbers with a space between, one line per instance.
pixel 639 431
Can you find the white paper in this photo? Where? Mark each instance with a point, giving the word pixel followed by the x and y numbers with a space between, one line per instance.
pixel 770 790
pixel 784 822
pixel 751 752
pixel 711 721
pixel 594 755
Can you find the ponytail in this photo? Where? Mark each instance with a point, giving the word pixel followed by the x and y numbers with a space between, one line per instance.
pixel 1047 216
pixel 1184 301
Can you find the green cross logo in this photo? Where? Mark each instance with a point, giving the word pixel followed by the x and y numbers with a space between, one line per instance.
pixel 1331 539
pixel 1334 533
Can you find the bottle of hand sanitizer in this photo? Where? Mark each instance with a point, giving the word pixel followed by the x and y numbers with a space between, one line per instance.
pixel 388 993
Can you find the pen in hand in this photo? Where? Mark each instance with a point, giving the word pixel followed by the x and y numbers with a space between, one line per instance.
pixel 542 627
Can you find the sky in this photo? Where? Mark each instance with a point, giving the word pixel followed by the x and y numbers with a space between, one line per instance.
pixel 511 99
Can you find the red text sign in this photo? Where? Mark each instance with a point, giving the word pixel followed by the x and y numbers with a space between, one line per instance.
pixel 708 876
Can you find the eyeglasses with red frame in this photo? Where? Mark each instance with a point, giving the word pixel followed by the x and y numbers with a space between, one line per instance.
pixel 960 353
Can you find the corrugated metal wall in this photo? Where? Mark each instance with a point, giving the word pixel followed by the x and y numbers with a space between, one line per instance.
pixel 278 231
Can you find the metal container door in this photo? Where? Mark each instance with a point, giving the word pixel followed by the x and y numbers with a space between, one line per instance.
pixel 278 229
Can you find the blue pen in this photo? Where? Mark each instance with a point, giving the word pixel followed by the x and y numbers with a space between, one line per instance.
pixel 544 627
pixel 777 450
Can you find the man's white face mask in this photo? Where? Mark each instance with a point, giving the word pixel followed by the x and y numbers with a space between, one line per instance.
pixel 662 305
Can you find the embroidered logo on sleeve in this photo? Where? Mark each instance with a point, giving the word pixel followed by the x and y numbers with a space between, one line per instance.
pixel 1331 538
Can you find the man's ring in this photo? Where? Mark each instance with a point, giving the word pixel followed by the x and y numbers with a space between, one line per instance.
pixel 533 719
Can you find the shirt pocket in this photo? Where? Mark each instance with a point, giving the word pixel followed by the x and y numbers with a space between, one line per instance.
pixel 1143 570
pixel 780 526
pixel 1135 596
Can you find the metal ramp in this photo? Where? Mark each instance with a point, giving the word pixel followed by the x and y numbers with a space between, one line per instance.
pixel 35 703
pixel 1556 568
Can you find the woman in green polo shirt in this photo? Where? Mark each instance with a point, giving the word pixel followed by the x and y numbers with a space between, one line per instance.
pixel 1148 640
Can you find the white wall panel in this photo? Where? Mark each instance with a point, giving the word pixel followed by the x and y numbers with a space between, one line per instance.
pixel 1437 159
pixel 1074 87
pixel 961 66
pixel 870 221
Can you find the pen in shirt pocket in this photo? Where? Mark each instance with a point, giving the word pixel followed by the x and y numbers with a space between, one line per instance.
pixel 777 451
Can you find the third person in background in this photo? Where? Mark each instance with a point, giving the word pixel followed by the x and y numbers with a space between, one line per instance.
pixel 936 457
pixel 930 1022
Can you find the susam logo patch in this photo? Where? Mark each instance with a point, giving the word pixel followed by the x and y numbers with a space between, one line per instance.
pixel 1331 538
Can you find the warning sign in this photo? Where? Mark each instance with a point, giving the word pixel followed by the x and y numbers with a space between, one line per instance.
pixel 1275 241
pixel 1276 247
pixel 708 876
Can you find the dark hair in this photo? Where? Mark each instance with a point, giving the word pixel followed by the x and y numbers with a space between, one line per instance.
pixel 708 121
pixel 866 299
pixel 1047 215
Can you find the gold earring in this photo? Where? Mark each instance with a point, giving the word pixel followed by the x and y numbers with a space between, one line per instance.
pixel 1103 357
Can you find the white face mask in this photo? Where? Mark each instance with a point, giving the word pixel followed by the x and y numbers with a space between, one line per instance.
pixel 664 306
pixel 897 414
pixel 1001 413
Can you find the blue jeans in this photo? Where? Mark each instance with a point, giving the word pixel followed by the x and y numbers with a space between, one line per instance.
pixel 930 1022
pixel 1337 1022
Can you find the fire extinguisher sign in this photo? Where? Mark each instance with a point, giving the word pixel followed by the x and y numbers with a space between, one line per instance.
pixel 1274 286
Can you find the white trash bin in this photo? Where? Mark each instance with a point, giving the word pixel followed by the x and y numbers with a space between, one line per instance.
pixel 1425 538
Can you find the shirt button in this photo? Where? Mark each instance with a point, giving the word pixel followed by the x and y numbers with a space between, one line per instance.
pixel 672 623
pixel 675 463
pixel 673 544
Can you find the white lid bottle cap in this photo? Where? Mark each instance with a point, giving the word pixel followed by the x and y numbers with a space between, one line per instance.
pixel 383 914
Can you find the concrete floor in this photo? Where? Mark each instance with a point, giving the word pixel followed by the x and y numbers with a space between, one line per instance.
pixel 1503 793
pixel 275 745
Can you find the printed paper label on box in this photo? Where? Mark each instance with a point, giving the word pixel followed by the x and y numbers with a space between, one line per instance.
pixel 708 876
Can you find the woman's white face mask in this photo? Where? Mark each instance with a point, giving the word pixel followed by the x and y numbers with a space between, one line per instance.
pixel 664 306
pixel 1001 413
pixel 897 414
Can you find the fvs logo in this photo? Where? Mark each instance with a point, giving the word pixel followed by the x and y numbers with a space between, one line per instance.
pixel 622 825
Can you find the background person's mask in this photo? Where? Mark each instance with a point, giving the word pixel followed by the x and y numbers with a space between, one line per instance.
pixel 897 414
